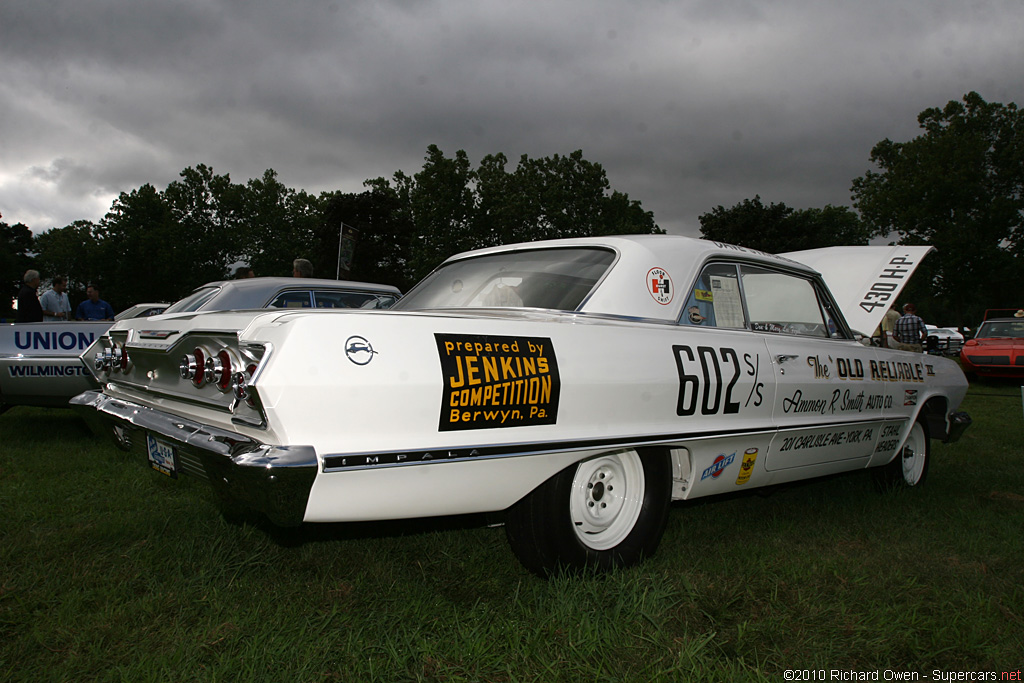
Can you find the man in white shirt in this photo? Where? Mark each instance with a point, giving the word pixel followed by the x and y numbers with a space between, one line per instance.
pixel 56 307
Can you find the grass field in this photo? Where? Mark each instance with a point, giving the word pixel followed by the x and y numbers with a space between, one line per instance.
pixel 110 572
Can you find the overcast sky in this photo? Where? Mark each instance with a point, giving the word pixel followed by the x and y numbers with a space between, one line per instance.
pixel 687 105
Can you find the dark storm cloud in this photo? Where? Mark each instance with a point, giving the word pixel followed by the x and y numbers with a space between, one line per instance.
pixel 687 105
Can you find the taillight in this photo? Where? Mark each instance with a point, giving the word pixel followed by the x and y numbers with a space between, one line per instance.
pixel 240 385
pixel 193 366
pixel 218 369
pixel 103 360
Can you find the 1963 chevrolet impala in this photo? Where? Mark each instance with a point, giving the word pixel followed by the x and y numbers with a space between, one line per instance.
pixel 577 385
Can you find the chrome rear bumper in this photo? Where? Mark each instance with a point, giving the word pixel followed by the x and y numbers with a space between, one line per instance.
pixel 274 480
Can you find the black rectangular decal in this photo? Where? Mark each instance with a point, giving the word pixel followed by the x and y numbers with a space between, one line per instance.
pixel 496 381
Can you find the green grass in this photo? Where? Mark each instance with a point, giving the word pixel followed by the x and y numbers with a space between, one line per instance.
pixel 110 572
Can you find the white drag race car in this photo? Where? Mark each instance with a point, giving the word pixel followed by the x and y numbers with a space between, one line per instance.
pixel 578 385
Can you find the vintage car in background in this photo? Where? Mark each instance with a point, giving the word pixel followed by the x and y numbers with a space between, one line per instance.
pixel 944 341
pixel 578 386
pixel 41 365
pixel 997 348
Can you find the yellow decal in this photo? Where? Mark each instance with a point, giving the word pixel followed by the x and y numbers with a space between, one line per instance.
pixel 747 466
pixel 703 295
pixel 492 381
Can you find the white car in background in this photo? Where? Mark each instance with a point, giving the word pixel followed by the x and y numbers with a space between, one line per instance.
pixel 948 341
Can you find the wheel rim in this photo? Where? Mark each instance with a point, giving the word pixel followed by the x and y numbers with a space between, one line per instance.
pixel 914 455
pixel 607 495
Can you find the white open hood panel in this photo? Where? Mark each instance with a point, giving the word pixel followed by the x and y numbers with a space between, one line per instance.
pixel 865 281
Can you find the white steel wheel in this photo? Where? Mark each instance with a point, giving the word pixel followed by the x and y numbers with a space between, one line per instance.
pixel 605 499
pixel 600 514
pixel 910 466
pixel 914 456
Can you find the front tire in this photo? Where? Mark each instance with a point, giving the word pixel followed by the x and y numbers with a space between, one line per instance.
pixel 910 466
pixel 603 513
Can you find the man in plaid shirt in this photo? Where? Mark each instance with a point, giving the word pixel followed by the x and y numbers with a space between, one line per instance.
pixel 910 331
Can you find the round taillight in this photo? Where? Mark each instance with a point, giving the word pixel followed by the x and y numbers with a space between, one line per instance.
pixel 218 369
pixel 115 357
pixel 187 367
pixel 103 360
pixel 240 385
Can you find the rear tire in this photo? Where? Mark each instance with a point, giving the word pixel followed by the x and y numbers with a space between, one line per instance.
pixel 603 513
pixel 910 466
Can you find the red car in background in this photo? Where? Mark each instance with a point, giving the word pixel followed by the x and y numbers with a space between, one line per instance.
pixel 997 349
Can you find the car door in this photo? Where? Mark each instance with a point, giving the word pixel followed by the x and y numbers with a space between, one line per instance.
pixel 827 412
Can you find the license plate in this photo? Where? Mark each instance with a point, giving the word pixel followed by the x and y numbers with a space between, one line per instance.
pixel 162 456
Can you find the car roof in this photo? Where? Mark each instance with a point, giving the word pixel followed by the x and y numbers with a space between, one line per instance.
pixel 254 292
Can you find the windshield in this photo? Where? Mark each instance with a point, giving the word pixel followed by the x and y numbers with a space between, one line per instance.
pixel 194 301
pixel 1001 328
pixel 557 279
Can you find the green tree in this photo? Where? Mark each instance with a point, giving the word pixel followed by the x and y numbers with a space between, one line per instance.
pixel 958 186
pixel 278 225
pixel 777 228
pixel 384 234
pixel 72 251
pixel 453 207
pixel 15 259
pixel 442 204
pixel 203 218
pixel 140 251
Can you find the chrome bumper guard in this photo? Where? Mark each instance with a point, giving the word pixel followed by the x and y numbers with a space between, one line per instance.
pixel 274 480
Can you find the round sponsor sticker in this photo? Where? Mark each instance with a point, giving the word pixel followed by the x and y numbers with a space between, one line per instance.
pixel 659 284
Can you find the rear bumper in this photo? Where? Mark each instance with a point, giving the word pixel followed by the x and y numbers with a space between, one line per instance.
pixel 274 480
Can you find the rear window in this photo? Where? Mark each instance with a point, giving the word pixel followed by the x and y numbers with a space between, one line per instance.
pixel 194 301
pixel 558 279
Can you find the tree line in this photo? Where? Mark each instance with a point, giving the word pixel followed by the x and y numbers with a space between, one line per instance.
pixel 957 186
pixel 158 245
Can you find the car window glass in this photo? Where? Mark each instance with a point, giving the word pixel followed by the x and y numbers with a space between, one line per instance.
pixel 558 279
pixel 714 300
pixel 194 301
pixel 343 299
pixel 783 303
pixel 292 299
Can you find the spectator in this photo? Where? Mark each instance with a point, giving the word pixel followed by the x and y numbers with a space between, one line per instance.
pixel 244 272
pixel 29 308
pixel 56 306
pixel 94 308
pixel 302 268
pixel 889 325
pixel 910 331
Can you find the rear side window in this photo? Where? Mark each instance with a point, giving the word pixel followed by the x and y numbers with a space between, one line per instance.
pixel 292 299
pixel 342 299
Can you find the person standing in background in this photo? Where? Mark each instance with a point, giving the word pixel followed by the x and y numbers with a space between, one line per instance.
pixel 56 306
pixel 94 308
pixel 910 331
pixel 29 309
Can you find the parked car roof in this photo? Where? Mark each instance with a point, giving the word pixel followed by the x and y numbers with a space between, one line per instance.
pixel 261 292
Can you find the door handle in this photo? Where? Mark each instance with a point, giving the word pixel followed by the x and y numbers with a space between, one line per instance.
pixel 783 357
